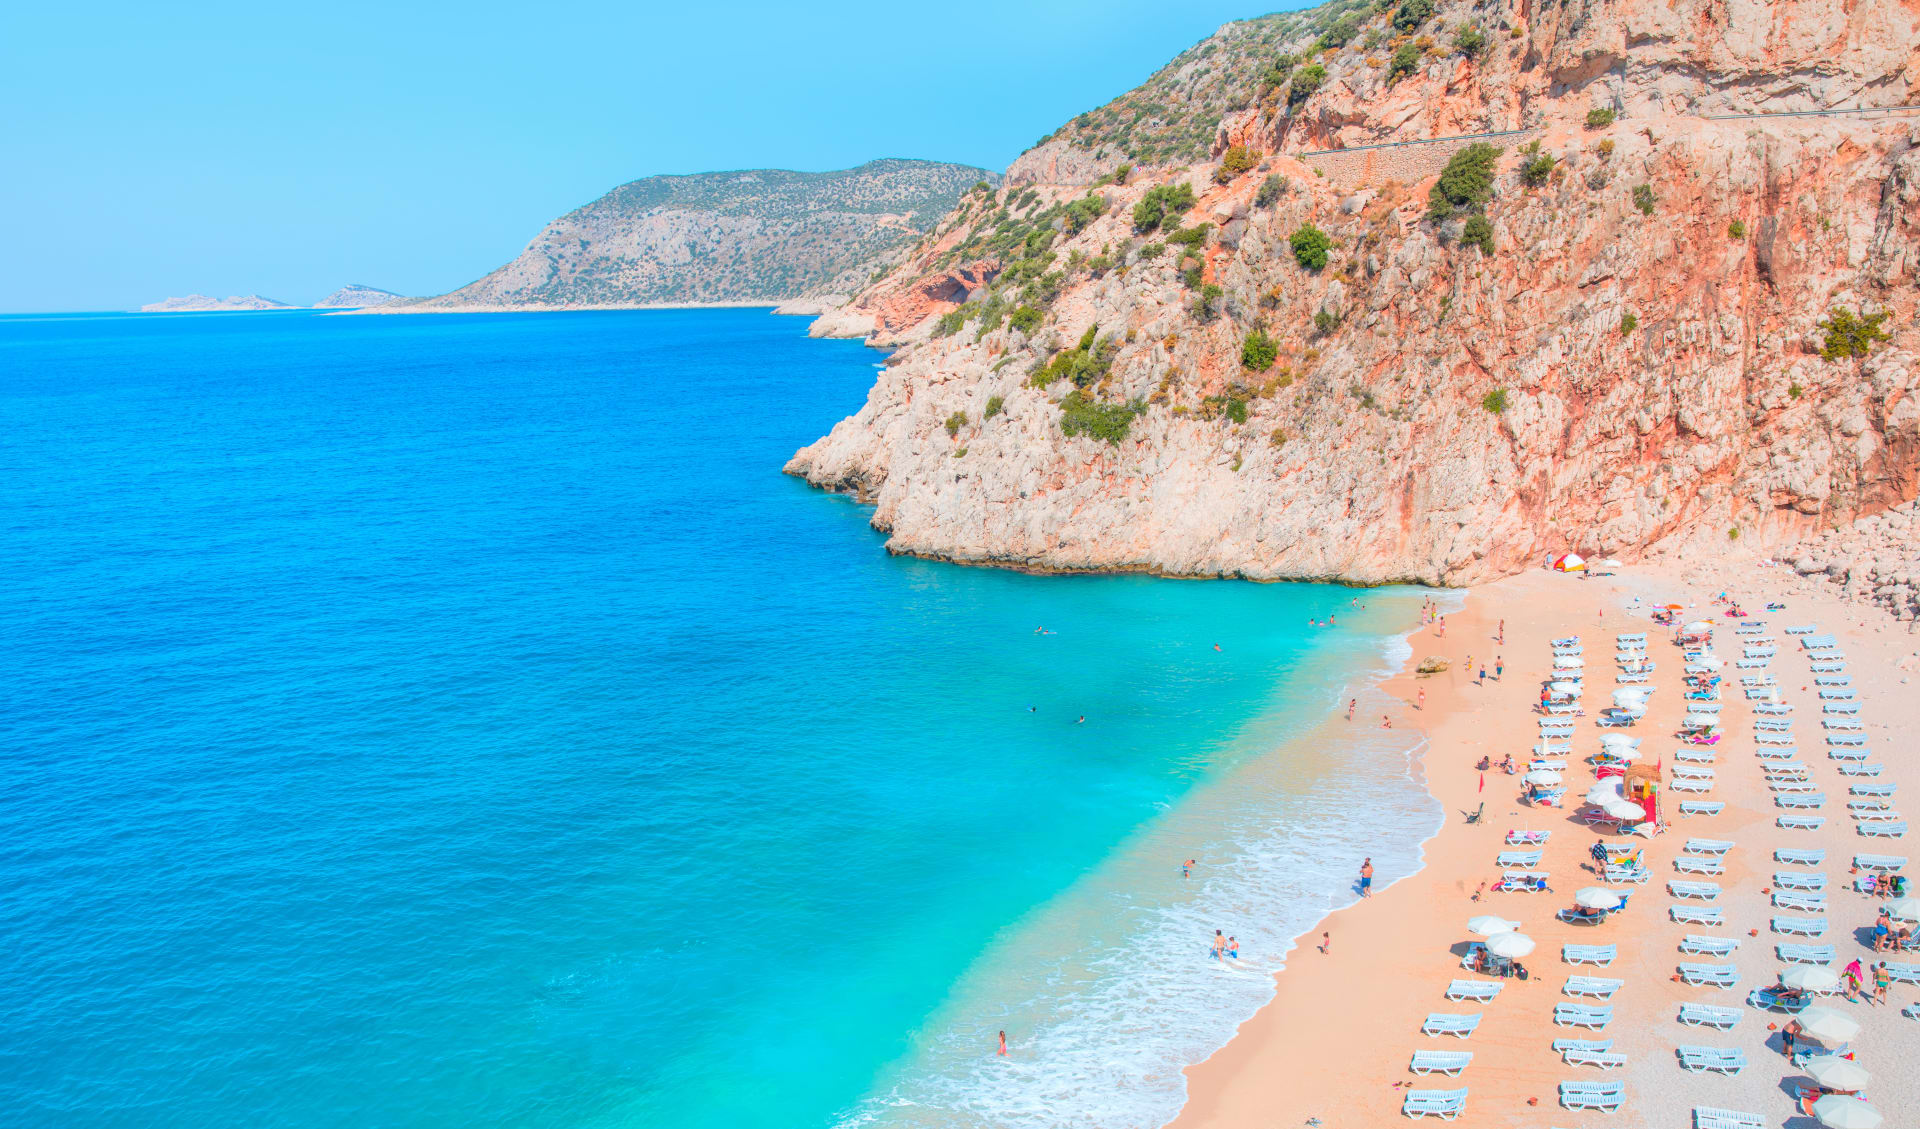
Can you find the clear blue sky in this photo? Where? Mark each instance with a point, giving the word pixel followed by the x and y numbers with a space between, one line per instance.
pixel 285 150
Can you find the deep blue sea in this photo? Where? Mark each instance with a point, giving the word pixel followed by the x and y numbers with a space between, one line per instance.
pixel 459 720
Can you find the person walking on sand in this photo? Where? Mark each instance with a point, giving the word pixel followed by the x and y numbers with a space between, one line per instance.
pixel 1500 636
pixel 1351 703
pixel 1499 664
pixel 1422 702
pixel 1326 943
pixel 1366 878
pixel 1003 1044
pixel 1443 627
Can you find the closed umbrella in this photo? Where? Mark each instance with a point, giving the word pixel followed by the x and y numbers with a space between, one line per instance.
pixel 1810 977
pixel 1837 1073
pixel 1906 909
pixel 1837 1111
pixel 1828 1025
pixel 1624 810
pixel 1510 945
pixel 1597 897
pixel 1542 776
pixel 1488 925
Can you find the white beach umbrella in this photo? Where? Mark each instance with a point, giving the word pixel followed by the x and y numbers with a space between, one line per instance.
pixel 1611 563
pixel 1489 925
pixel 1828 1025
pixel 1568 662
pixel 1624 810
pixel 1810 977
pixel 1621 739
pixel 1509 944
pixel 1542 776
pixel 1906 909
pixel 1597 897
pixel 1570 689
pixel 1837 1073
pixel 1698 625
pixel 1629 698
pixel 1602 794
pixel 1838 1111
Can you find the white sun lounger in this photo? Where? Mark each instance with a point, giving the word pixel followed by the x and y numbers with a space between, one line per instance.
pixel 1694 756
pixel 1870 808
pixel 1742 664
pixel 1802 800
pixel 1772 724
pixel 1804 954
pixel 1582 1015
pixel 1590 1046
pixel 1709 946
pixel 1605 1060
pixel 1798 880
pixel 1800 856
pixel 1718 1060
pixel 1858 769
pixel 1473 989
pixel 1632 678
pixel 1849 754
pixel 1688 784
pixel 1796 770
pixel 1800 900
pixel 1443 1023
pixel 1692 772
pixel 1816 642
pixel 1880 862
pixel 1839 709
pixel 1626 872
pixel 1566 641
pixel 1871 789
pixel 1759 652
pixel 1603 1096
pixel 1904 973
pixel 1705 891
pixel 1791 785
pixel 1877 815
pixel 1785 742
pixel 1701 807
pixel 1601 955
pixel 1710 1015
pixel 1835 693
pixel 1700 846
pixel 1800 822
pixel 1831 666
pixel 1881 830
pixel 1510 859
pixel 1773 709
pixel 1518 838
pixel 1444 1104
pixel 1697 864
pixel 1834 680
pixel 1598 987
pixel 1440 1062
pixel 1773 754
pixel 1714 975
pixel 1799 926
pixel 1712 1117
pixel 1847 740
pixel 1696 915
pixel 1807 630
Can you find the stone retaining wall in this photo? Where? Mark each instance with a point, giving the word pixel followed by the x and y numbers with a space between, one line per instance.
pixel 1405 162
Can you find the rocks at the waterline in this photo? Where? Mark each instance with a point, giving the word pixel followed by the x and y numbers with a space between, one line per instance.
pixel 1876 560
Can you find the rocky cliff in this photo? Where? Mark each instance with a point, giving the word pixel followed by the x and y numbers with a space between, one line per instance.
pixel 354 296
pixel 202 303
pixel 1661 329
pixel 761 235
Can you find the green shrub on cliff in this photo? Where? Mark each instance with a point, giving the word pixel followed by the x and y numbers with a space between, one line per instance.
pixel 1599 118
pixel 1026 319
pixel 1466 183
pixel 1271 189
pixel 1535 166
pixel 1643 198
pixel 1162 202
pixel 1628 323
pixel 1235 161
pixel 1305 82
pixel 995 405
pixel 1082 415
pixel 1412 13
pixel 1478 232
pixel 1204 301
pixel 1852 335
pixel 1406 60
pixel 1084 211
pixel 1495 401
pixel 1310 246
pixel 950 322
pixel 1470 41
pixel 1083 365
pixel 955 422
pixel 1259 351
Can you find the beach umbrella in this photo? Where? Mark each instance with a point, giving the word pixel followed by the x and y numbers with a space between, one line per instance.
pixel 1542 776
pixel 1489 925
pixel 1838 1111
pixel 1601 795
pixel 1699 625
pixel 1620 739
pixel 1624 810
pixel 1570 689
pixel 1611 563
pixel 1510 945
pixel 1828 1025
pixel 1810 977
pixel 1597 897
pixel 1906 909
pixel 1629 697
pixel 1673 607
pixel 1837 1073
pixel 1568 662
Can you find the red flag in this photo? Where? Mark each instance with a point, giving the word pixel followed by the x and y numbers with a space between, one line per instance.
pixel 1483 782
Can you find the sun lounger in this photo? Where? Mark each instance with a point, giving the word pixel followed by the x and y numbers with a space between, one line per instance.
pixel 1697 864
pixel 1701 846
pixel 1871 789
pixel 1883 863
pixel 1746 664
pixel 1548 762
pixel 1847 740
pixel 1773 754
pixel 1883 816
pixel 1440 1062
pixel 1710 1015
pixel 1714 975
pixel 1802 901
pixel 1605 1060
pixel 1692 772
pixel 1629 636
pixel 1709 946
pixel 1695 756
pixel 1904 973
pixel 1701 807
pixel 1770 997
pixel 1601 955
pixel 1857 769
pixel 1839 709
pixel 1582 1015
pixel 1834 680
pixel 1758 652
pixel 1705 891
pixel 1444 1104
pixel 1881 830
pixel 1563 709
pixel 1807 630
pixel 1508 859
pixel 1790 768
pixel 1711 1117
pixel 1757 680
pixel 1527 838
pixel 1800 856
pixel 1800 822
pixel 1718 1060
pixel 1598 987
pixel 1603 1096
pixel 1798 926
pixel 1443 1023
pixel 1589 1046
pixel 1796 880
pixel 1626 872
pixel 1846 754
pixel 1804 954
pixel 1835 693
pixel 1692 785
pixel 1785 742
pixel 1632 678
pixel 1817 642
pixel 1696 915
pixel 1566 641
pixel 1871 808
pixel 1826 654
pixel 1830 666
pixel 1791 785
pixel 1473 989
pixel 1773 709
pixel 1800 800
pixel 1771 725
pixel 1646 830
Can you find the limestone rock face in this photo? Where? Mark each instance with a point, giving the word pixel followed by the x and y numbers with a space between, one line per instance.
pixel 1628 371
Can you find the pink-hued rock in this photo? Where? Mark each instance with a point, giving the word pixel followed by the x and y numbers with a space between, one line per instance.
pixel 1369 453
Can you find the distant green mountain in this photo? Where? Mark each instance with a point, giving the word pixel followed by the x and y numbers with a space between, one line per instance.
pixel 760 235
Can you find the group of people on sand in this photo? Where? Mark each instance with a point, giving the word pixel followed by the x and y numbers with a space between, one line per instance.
pixel 1891 938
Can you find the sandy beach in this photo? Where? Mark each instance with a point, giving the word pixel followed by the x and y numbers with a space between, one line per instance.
pixel 1334 1046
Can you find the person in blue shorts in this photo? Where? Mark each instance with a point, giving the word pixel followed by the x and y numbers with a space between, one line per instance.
pixel 1366 878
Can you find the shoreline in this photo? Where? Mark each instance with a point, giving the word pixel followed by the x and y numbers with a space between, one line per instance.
pixel 596 308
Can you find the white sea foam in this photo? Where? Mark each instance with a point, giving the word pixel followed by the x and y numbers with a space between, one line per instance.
pixel 1107 993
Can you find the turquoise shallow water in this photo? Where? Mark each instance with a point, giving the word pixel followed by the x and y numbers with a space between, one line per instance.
pixel 416 721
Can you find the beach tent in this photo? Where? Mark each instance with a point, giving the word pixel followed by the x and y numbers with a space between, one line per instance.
pixel 1841 1111
pixel 1569 562
pixel 1837 1073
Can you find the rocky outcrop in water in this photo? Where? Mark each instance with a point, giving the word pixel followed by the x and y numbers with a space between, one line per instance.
pixel 202 303
pixel 1622 348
